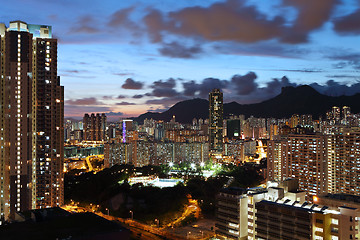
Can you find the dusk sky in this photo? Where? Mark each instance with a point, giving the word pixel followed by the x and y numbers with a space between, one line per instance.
pixel 128 57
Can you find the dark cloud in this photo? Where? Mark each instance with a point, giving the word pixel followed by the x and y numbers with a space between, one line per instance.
pixel 114 113
pixel 340 65
pixel 190 88
pixel 138 96
pixel 132 84
pixel 334 88
pixel 274 86
pixel 157 109
pixel 71 71
pixel 123 74
pixel 245 85
pixel 164 92
pixel 346 59
pixel 305 70
pixel 170 83
pixel 264 49
pixel 231 20
pixel 85 24
pixel 311 15
pixel 209 84
pixel 83 101
pixel 348 24
pixel 163 88
pixel 177 50
pixel 107 97
pixel 121 97
pixel 237 21
pixel 121 18
pixel 357 77
pixel 125 103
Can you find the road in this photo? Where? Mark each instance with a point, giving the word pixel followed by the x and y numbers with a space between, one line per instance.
pixel 143 231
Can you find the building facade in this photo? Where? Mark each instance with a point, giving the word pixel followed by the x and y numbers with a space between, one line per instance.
pixel 94 127
pixel 32 112
pixel 216 121
pixel 300 156
pixel 322 163
pixel 231 220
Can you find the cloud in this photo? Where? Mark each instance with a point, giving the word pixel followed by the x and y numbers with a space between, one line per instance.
pixel 132 84
pixel 264 49
pixel 245 85
pixel 121 18
pixel 356 77
pixel 71 71
pixel 334 88
pixel 237 21
pixel 231 21
pixel 157 109
pixel 190 88
pixel 305 70
pixel 311 15
pixel 348 24
pixel 107 97
pixel 114 114
pixel 125 103
pixel 85 24
pixel 163 88
pixel 123 74
pixel 346 59
pixel 138 96
pixel 121 97
pixel 78 111
pixel 83 101
pixel 176 50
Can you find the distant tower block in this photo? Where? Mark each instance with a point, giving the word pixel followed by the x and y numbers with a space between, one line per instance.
pixel 216 122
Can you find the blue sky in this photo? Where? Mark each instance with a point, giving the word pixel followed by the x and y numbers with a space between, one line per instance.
pixel 128 57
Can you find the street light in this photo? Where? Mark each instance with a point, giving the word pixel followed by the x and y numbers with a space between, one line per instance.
pixel 157 221
pixel 108 212
pixel 188 235
pixel 132 215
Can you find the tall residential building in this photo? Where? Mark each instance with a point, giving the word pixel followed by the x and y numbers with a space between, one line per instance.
pixel 31 120
pixel 343 163
pixel 94 127
pixel 301 156
pixel 322 163
pixel 216 121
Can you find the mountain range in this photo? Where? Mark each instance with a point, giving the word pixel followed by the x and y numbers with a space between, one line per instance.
pixel 292 100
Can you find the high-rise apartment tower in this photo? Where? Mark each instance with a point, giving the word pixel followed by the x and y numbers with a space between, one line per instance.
pixel 94 127
pixel 31 120
pixel 216 121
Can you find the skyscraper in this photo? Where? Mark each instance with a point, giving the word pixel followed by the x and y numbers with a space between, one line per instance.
pixel 300 156
pixel 216 121
pixel 94 127
pixel 31 120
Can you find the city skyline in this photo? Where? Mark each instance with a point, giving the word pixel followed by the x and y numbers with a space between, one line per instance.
pixel 128 58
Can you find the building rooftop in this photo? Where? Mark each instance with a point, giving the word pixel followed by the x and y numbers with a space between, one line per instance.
pixel 233 191
pixel 343 197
